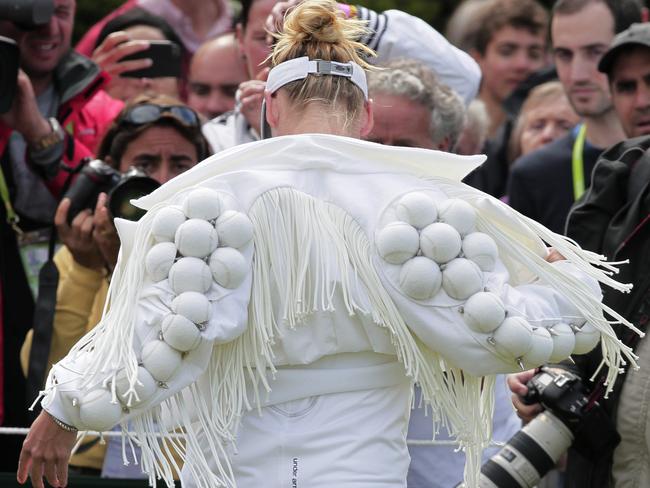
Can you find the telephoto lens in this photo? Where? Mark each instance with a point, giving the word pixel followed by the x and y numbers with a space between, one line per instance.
pixel 529 454
pixel 535 450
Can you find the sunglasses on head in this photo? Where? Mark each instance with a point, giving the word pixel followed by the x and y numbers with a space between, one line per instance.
pixel 148 112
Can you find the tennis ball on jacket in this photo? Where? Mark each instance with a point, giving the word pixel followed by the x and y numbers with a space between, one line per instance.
pixel 145 387
pixel 541 348
pixel 587 337
pixel 513 337
pixel 234 228
pixel 398 242
pixel 564 341
pixel 481 249
pixel 159 260
pixel 461 278
pixel 160 359
pixel 97 412
pixel 420 278
pixel 180 333
pixel 417 209
pixel 202 203
pixel 196 238
pixel 484 312
pixel 165 223
pixel 459 214
pixel 193 306
pixel 440 242
pixel 229 267
pixel 190 274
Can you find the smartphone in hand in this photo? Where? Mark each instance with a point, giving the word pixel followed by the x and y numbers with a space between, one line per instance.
pixel 165 57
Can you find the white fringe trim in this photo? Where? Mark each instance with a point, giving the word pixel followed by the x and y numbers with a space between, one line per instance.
pixel 615 353
pixel 297 238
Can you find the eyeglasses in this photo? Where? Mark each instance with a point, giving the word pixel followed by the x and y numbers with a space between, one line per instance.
pixel 148 112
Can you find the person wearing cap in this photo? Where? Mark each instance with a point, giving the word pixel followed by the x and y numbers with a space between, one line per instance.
pixel 545 183
pixel 613 219
pixel 627 66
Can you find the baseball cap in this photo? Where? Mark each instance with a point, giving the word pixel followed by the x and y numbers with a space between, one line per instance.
pixel 636 34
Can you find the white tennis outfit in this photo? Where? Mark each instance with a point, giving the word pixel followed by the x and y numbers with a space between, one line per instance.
pixel 302 376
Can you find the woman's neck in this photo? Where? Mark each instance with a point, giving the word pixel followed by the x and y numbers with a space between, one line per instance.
pixel 316 120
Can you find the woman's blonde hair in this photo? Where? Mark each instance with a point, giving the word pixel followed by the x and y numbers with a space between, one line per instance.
pixel 318 29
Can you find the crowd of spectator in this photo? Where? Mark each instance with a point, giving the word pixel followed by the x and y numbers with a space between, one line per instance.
pixel 543 93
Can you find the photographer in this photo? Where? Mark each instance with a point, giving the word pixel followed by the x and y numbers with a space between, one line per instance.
pixel 56 89
pixel 612 219
pixel 160 136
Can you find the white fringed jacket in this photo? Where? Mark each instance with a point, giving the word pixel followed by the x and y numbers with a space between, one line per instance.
pixel 307 293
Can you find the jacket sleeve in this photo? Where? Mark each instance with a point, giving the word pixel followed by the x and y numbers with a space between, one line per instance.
pixel 164 317
pixel 395 34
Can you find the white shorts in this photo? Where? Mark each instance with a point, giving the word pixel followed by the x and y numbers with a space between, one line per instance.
pixel 353 440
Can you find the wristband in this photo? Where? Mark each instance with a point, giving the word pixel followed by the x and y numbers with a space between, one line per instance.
pixel 62 424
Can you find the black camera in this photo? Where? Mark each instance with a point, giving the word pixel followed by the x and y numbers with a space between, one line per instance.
pixel 27 15
pixel 533 451
pixel 9 62
pixel 96 177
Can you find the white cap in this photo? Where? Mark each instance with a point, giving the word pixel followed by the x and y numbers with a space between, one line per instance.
pixel 299 68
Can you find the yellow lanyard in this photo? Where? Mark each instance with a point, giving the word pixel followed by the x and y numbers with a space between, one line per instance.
pixel 12 218
pixel 577 163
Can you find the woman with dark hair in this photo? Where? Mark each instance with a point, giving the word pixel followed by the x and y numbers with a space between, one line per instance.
pixel 162 138
pixel 128 34
pixel 277 302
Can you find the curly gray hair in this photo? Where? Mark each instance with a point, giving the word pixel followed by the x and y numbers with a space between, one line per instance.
pixel 412 80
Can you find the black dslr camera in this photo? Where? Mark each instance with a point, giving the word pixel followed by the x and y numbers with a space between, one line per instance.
pixel 571 418
pixel 96 177
pixel 26 14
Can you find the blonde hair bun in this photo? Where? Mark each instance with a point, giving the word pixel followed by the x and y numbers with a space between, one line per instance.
pixel 319 29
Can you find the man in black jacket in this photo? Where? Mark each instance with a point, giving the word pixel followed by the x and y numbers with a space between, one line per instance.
pixel 613 219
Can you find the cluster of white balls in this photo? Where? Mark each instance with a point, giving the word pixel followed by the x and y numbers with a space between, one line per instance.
pixel 514 338
pixel 197 244
pixel 437 247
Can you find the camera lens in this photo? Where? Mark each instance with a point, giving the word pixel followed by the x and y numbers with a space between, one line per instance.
pixel 130 188
pixel 529 455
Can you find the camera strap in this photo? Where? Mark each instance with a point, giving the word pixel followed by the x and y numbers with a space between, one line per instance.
pixel 12 217
pixel 48 281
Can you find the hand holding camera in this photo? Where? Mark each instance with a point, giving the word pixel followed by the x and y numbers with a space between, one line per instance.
pixel 24 116
pixel 572 416
pixel 105 234
pixel 78 235
pixel 517 384
pixel 84 218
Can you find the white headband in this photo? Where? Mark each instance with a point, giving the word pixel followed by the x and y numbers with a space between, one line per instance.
pixel 300 68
